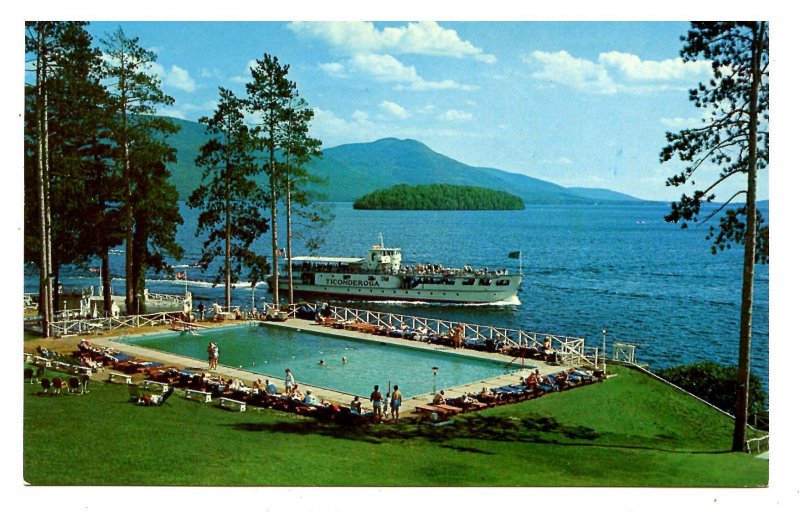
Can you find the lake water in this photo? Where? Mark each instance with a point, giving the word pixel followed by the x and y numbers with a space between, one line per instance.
pixel 586 268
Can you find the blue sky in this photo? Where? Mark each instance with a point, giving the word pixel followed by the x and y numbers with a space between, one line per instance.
pixel 575 103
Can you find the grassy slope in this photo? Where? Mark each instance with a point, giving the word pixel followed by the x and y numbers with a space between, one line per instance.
pixel 628 431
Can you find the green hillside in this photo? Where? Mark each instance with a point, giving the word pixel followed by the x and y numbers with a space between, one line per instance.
pixel 353 170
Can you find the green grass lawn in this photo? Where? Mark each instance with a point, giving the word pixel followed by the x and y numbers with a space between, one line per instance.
pixel 628 431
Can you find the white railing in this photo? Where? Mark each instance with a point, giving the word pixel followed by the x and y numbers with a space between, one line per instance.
pixel 758 445
pixel 82 325
pixel 570 350
pixel 165 297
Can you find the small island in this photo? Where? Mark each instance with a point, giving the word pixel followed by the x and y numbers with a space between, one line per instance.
pixel 438 197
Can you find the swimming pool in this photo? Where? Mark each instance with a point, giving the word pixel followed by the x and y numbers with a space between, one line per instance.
pixel 269 349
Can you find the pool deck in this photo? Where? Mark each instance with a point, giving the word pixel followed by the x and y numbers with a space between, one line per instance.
pixel 333 396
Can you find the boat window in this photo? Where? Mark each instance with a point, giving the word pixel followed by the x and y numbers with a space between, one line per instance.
pixel 346 277
pixel 484 281
pixel 469 281
pixel 502 282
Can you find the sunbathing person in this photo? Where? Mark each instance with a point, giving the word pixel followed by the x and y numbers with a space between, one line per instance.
pixel 296 394
pixel 438 398
pixel 272 389
pixel 310 399
pixel 466 399
pixel 355 405
pixel 532 381
pixel 259 387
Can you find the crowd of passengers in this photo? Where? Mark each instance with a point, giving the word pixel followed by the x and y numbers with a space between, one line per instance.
pixel 412 270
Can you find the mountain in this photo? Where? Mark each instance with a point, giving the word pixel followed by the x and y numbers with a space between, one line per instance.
pixel 353 170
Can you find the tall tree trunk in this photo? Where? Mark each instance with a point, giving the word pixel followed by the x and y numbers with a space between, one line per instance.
pixel 746 321
pixel 56 294
pixel 106 277
pixel 227 244
pixel 48 232
pixel 45 303
pixel 130 282
pixel 273 199
pixel 290 291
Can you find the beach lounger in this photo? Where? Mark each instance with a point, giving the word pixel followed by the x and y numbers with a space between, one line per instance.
pixel 58 384
pixel 74 385
pixel 440 410
pixel 231 404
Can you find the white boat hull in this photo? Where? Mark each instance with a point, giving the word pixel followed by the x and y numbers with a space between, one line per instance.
pixel 466 290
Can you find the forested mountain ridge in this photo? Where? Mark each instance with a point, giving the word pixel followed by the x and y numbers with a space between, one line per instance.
pixel 350 171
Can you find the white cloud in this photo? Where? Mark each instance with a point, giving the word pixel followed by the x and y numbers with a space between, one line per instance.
pixel 422 38
pixel 384 68
pixel 563 68
pixel 679 123
pixel 387 69
pixel 335 69
pixel 394 110
pixel 176 77
pixel 615 72
pixel 180 79
pixel 360 116
pixel 633 68
pixel 457 116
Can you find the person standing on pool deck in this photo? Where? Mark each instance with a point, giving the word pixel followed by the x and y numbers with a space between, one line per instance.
pixel 397 400
pixel 289 381
pixel 377 399
pixel 210 351
pixel 216 355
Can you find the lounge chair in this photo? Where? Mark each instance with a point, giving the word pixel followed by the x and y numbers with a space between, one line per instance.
pixel 134 392
pixel 58 384
pixel 74 385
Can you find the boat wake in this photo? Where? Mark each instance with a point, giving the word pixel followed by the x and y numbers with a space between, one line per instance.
pixel 512 301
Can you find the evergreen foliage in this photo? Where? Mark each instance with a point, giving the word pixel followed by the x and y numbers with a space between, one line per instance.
pixel 228 196
pixel 733 139
pixel 438 197
pixel 716 384
pixel 141 154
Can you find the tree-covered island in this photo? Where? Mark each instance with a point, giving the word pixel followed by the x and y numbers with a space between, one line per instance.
pixel 438 197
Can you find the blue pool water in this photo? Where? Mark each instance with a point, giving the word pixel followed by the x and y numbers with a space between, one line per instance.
pixel 271 349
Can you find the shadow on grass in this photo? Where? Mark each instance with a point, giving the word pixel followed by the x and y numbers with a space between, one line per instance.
pixel 535 429
pixel 489 428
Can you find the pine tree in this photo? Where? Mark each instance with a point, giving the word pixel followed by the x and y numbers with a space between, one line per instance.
pixel 138 137
pixel 269 95
pixel 735 139
pixel 228 195
pixel 299 148
pixel 63 120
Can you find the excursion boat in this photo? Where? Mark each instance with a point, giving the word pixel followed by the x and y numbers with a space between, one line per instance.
pixel 382 276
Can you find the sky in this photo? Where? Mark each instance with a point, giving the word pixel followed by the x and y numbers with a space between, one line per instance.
pixel 583 104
